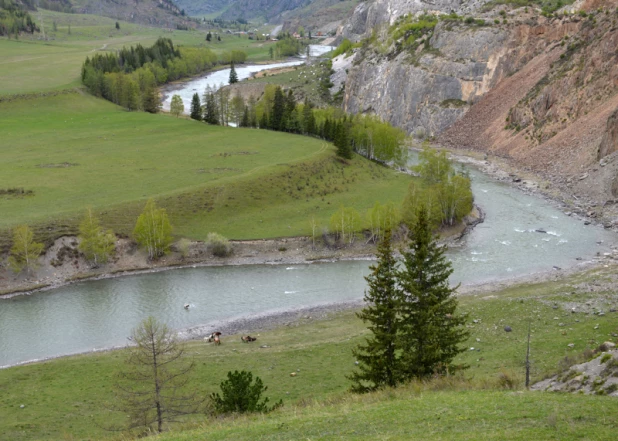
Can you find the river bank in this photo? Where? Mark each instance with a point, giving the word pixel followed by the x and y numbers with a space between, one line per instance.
pixel 57 270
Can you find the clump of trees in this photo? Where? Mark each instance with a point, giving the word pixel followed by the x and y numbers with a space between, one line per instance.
pixel 287 46
pixel 411 311
pixel 15 19
pixel 444 192
pixel 130 77
pixel 277 110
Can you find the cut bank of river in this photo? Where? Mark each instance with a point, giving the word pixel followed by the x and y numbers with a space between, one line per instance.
pixel 220 77
pixel 98 314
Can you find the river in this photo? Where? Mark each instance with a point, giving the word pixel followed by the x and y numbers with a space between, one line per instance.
pixel 220 77
pixel 99 314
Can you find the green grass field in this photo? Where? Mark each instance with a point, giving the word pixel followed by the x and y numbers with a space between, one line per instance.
pixel 34 65
pixel 74 151
pixel 65 398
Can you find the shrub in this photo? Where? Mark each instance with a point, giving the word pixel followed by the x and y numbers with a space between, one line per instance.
pixel 506 380
pixel 218 245
pixel 240 395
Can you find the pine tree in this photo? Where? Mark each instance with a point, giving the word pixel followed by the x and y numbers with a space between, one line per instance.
pixel 430 331
pixel 308 118
pixel 378 358
pixel 264 121
pixel 150 100
pixel 233 75
pixel 342 141
pixel 196 107
pixel 278 111
pixel 211 111
pixel 244 122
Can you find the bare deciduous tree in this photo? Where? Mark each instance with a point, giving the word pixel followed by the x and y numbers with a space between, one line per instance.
pixel 152 388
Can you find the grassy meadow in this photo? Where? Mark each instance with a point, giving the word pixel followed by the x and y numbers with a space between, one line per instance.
pixel 74 151
pixel 32 64
pixel 65 398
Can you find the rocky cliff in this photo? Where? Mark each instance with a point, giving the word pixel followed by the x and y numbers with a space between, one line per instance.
pixel 539 90
pixel 368 15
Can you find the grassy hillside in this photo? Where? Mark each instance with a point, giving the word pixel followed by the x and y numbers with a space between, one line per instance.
pixel 65 398
pixel 74 151
pixel 34 65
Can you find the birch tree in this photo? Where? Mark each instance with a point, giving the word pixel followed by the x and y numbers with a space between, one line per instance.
pixel 96 244
pixel 153 230
pixel 25 251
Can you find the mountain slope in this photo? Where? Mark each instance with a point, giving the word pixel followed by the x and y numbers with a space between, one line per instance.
pixel 161 13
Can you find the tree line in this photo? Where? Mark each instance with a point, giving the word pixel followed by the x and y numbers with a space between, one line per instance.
pixel 152 232
pixel 277 110
pixel 130 77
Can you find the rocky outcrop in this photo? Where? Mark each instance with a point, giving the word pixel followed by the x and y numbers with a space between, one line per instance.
pixel 609 142
pixel 598 376
pixel 368 15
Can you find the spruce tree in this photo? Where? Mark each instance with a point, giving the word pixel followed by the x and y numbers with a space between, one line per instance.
pixel 278 111
pixel 378 358
pixel 244 122
pixel 233 75
pixel 264 121
pixel 430 330
pixel 308 118
pixel 196 108
pixel 211 111
pixel 342 141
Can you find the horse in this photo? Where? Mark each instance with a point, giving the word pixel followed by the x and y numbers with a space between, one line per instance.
pixel 214 337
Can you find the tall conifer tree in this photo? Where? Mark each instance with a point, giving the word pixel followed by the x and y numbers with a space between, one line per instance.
pixel 378 359
pixel 430 331
pixel 196 107
pixel 233 75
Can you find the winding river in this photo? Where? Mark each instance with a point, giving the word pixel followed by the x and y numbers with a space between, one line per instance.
pixel 100 314
pixel 220 77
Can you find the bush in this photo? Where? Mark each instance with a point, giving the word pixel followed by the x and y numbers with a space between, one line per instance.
pixel 240 395
pixel 218 245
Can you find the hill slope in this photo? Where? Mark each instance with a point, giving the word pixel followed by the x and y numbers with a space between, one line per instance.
pixel 160 13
